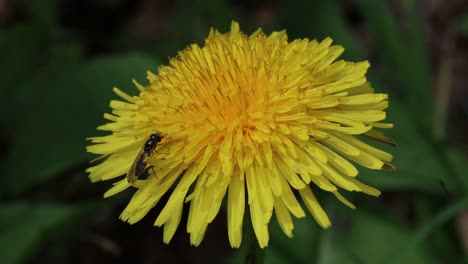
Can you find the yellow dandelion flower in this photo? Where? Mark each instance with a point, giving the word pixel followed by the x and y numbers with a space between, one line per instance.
pixel 254 118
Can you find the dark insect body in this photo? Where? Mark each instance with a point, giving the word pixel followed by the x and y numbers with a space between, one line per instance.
pixel 139 165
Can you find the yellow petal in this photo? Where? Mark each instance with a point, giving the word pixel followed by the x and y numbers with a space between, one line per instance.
pixel 314 207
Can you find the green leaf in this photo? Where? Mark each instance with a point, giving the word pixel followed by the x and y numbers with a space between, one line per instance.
pixel 332 248
pixel 385 33
pixel 319 19
pixel 25 227
pixel 21 49
pixel 403 56
pixel 357 236
pixel 418 75
pixel 361 235
pixel 418 165
pixel 300 249
pixel 403 251
pixel 61 113
pixel 371 239
pixel 458 163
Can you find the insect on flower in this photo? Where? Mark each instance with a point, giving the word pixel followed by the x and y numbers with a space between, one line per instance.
pixel 256 122
pixel 139 164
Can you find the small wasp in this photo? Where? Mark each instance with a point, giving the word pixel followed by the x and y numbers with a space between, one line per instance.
pixel 139 164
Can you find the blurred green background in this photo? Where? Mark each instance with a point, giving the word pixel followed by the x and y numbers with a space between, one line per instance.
pixel 60 59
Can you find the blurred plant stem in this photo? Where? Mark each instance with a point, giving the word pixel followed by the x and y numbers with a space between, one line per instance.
pixel 427 228
pixel 439 237
pixel 442 89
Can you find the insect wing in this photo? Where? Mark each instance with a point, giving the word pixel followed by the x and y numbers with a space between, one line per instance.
pixel 137 167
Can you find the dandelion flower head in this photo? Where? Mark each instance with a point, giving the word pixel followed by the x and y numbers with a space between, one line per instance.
pixel 249 119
